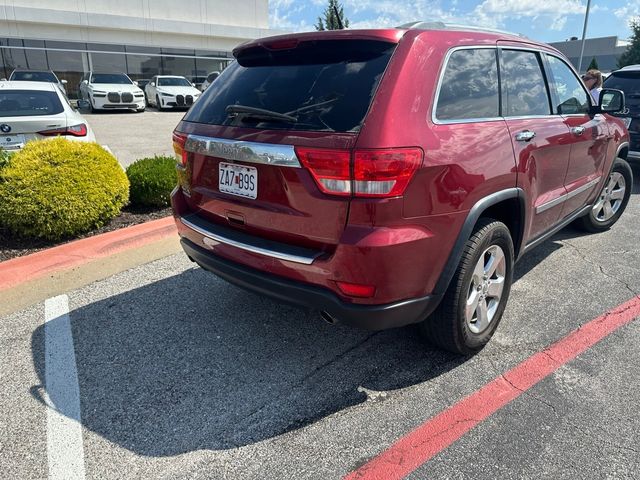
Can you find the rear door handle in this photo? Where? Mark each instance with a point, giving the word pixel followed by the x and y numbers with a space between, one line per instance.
pixel 577 130
pixel 525 136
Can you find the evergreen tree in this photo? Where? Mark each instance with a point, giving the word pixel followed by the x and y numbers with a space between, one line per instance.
pixel 593 65
pixel 331 21
pixel 632 55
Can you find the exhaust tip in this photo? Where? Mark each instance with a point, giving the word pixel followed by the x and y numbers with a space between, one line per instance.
pixel 328 318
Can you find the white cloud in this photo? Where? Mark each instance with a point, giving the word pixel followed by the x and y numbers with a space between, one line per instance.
pixel 551 14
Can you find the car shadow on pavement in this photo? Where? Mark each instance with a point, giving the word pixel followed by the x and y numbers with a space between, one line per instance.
pixel 191 362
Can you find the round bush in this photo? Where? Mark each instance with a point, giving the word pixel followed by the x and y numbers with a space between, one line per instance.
pixel 58 188
pixel 152 180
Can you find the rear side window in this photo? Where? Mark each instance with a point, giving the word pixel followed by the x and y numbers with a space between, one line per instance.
pixel 628 82
pixel 469 87
pixel 322 85
pixel 524 91
pixel 567 92
pixel 26 103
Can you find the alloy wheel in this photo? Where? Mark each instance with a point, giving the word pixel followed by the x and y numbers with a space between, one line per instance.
pixel 610 198
pixel 486 289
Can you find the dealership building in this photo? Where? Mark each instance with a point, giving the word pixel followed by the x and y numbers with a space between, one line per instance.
pixel 605 50
pixel 142 38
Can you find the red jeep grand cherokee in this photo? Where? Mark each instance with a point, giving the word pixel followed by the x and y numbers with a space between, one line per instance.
pixel 389 177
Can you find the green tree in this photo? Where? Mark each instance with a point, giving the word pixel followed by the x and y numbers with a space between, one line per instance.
pixel 334 18
pixel 632 55
pixel 593 65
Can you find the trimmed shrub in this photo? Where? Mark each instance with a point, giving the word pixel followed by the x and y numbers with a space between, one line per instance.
pixel 4 157
pixel 152 180
pixel 59 188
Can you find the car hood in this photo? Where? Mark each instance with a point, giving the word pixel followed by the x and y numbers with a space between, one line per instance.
pixel 114 87
pixel 177 90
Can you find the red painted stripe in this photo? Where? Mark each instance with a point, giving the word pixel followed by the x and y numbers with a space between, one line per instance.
pixel 24 269
pixel 438 433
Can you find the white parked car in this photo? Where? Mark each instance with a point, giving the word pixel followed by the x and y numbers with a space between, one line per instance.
pixel 168 91
pixel 111 91
pixel 209 80
pixel 36 111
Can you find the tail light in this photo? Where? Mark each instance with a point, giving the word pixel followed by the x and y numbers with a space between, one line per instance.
pixel 79 130
pixel 179 141
pixel 363 173
pixel 329 168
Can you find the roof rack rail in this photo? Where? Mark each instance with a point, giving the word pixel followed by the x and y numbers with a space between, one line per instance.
pixel 420 25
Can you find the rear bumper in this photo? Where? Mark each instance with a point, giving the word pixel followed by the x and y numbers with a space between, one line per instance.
pixel 370 317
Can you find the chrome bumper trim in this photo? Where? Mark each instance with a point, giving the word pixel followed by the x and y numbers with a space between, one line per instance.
pixel 252 152
pixel 306 260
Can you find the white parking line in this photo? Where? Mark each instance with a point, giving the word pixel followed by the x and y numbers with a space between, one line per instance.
pixel 65 450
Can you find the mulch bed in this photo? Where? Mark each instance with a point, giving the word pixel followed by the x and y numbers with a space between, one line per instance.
pixel 11 247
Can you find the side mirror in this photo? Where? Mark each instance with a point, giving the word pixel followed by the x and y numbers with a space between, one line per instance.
pixel 153 84
pixel 193 84
pixel 63 81
pixel 135 82
pixel 611 101
pixel 85 82
pixel 83 104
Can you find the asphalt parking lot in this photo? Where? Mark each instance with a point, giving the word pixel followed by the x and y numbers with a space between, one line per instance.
pixel 165 371
pixel 131 136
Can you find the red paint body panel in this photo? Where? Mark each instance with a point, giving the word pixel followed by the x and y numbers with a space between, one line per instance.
pixel 400 245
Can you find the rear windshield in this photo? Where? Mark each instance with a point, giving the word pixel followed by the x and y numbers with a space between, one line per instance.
pixel 173 82
pixel 322 86
pixel 110 78
pixel 27 103
pixel 34 77
pixel 628 82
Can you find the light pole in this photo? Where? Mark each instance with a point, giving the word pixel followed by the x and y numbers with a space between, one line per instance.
pixel 584 33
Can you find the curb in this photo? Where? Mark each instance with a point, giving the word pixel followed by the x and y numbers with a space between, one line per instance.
pixel 64 257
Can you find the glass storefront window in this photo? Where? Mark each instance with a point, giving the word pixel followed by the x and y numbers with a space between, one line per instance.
pixel 70 60
pixel 143 66
pixel 108 62
pixel 183 66
pixel 204 66
pixel 69 66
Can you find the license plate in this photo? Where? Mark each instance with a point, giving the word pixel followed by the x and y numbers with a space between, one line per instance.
pixel 238 180
pixel 12 141
pixel 627 121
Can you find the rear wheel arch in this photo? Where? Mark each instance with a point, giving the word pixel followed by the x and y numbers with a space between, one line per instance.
pixel 506 206
pixel 623 151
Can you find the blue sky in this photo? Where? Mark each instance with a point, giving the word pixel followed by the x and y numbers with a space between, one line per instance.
pixel 545 20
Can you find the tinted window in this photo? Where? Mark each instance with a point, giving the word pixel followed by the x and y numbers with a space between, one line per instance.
pixel 628 82
pixel 568 94
pixel 110 78
pixel 326 85
pixel 173 82
pixel 469 87
pixel 24 103
pixel 523 87
pixel 34 76
pixel 212 76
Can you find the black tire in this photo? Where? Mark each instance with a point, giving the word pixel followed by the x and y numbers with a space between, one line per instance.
pixel 140 110
pixel 158 107
pixel 448 327
pixel 91 107
pixel 596 220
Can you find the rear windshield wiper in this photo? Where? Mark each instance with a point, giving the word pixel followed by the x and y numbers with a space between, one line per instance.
pixel 254 112
pixel 313 106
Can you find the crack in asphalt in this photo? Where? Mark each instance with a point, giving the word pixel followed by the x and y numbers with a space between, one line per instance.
pixel 580 429
pixel 584 257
